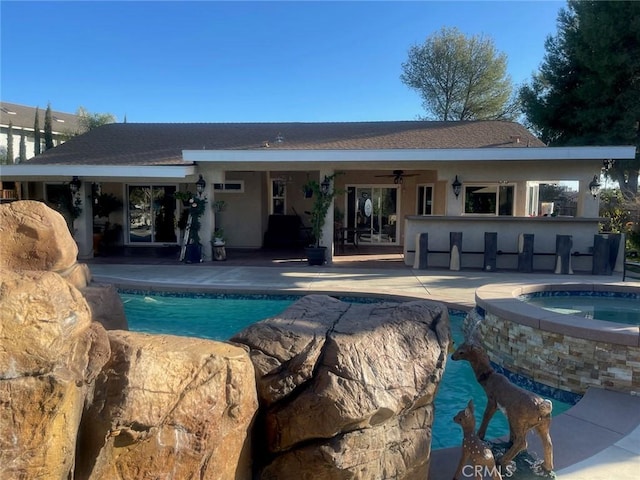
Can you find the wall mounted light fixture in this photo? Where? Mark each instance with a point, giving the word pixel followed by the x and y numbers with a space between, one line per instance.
pixel 200 184
pixel 324 186
pixel 74 185
pixel 456 185
pixel 594 186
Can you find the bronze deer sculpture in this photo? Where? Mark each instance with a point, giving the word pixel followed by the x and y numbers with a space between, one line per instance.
pixel 474 450
pixel 524 410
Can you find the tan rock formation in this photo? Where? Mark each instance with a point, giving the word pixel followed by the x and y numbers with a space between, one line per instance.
pixel 106 306
pixel 347 389
pixel 170 407
pixel 50 352
pixel 35 237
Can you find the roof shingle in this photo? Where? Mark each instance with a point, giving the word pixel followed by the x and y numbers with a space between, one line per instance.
pixel 162 143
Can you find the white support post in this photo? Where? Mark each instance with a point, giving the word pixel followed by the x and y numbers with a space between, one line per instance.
pixel 83 225
pixel 326 237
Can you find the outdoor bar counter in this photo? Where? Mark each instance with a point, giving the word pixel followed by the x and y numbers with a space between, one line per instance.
pixel 507 242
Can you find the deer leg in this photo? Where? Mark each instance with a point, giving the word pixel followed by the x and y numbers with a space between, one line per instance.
pixel 519 444
pixel 492 406
pixel 545 438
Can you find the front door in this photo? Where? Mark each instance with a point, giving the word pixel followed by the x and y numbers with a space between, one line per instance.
pixel 372 213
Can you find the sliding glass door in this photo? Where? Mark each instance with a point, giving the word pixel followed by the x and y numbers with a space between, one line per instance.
pixel 372 213
pixel 151 212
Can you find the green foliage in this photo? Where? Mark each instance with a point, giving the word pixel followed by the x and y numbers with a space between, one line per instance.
pixel 460 78
pixel 587 91
pixel 321 203
pixel 104 204
pixel 48 129
pixel 89 121
pixel 612 207
pixel 10 155
pixel 183 196
pixel 623 216
pixel 36 133
pixel 196 210
pixel 23 148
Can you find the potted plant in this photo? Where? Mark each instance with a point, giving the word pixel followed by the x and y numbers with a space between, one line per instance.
pixel 218 244
pixel 217 239
pixel 323 196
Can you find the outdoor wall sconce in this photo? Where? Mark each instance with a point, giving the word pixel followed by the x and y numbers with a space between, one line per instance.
pixel 200 184
pixel 594 186
pixel 456 185
pixel 324 186
pixel 607 163
pixel 74 185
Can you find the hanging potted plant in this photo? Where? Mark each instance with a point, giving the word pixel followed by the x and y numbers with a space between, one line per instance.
pixel 193 251
pixel 185 197
pixel 323 196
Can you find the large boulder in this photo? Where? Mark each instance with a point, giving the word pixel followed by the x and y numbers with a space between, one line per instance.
pixel 169 407
pixel 106 306
pixel 50 354
pixel 35 237
pixel 347 390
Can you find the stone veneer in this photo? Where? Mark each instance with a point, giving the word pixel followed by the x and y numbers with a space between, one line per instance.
pixel 562 351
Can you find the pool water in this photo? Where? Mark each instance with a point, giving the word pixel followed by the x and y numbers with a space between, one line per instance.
pixel 607 306
pixel 221 317
pixel 215 318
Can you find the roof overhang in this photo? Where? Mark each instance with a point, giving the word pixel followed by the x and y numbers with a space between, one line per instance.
pixel 411 155
pixel 26 171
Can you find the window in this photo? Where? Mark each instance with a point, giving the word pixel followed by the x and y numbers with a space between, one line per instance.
pixel 278 195
pixel 489 199
pixel 552 198
pixel 151 213
pixel 231 186
pixel 425 200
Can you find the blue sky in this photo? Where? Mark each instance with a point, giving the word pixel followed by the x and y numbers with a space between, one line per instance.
pixel 206 61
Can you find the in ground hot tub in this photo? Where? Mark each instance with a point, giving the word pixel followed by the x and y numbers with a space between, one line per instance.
pixel 562 350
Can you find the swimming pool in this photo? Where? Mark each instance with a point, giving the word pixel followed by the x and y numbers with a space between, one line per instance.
pixel 219 317
pixel 618 307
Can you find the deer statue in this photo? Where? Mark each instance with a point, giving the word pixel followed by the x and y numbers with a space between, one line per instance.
pixel 474 451
pixel 524 410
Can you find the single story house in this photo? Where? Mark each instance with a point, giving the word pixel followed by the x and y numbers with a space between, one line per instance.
pixel 397 180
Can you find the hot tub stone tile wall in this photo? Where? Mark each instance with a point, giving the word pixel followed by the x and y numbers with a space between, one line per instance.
pixel 559 360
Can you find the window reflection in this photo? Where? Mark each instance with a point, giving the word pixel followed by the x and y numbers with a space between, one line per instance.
pixel 152 210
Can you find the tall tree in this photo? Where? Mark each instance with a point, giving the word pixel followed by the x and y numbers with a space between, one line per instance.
pixel 36 133
pixel 460 78
pixel 23 148
pixel 89 121
pixel 587 91
pixel 10 154
pixel 48 129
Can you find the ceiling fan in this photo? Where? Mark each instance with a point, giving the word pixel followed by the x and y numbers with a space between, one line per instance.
pixel 398 176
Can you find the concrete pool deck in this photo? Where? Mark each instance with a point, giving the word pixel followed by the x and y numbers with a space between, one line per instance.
pixel 599 438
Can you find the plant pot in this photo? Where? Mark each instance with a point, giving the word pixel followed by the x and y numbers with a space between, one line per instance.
pixel 193 253
pixel 316 255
